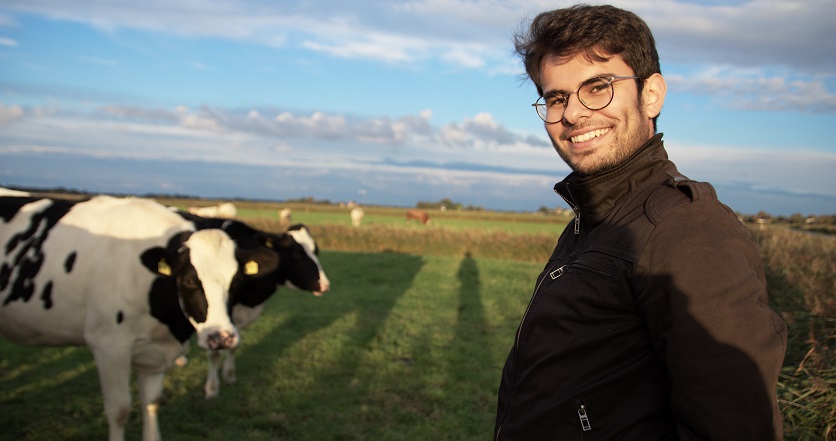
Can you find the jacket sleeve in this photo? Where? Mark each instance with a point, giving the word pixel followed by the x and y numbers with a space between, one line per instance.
pixel 701 287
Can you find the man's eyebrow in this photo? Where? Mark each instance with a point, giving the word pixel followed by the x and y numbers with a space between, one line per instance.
pixel 554 92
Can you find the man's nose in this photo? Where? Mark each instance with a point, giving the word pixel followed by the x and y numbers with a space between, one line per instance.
pixel 574 110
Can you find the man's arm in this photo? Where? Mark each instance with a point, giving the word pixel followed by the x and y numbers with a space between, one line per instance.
pixel 703 293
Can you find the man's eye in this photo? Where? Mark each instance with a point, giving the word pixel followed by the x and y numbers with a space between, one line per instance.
pixel 556 101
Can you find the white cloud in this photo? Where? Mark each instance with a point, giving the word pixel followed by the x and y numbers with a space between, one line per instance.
pixel 755 89
pixel 10 114
pixel 478 156
pixel 795 169
pixel 793 36
pixel 797 35
pixel 212 134
pixel 8 42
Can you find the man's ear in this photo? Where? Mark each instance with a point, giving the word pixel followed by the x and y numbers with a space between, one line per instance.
pixel 653 94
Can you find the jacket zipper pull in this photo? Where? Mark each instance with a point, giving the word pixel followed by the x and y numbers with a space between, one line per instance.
pixel 577 221
pixel 558 272
pixel 584 419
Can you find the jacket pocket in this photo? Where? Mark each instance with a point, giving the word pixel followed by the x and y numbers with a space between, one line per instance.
pixel 596 268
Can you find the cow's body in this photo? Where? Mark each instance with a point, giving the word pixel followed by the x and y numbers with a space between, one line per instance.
pixel 128 278
pixel 419 215
pixel 10 192
pixel 357 214
pixel 298 268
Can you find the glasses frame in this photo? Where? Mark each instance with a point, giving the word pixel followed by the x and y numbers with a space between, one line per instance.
pixel 542 105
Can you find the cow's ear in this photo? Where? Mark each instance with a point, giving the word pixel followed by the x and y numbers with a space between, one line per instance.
pixel 156 261
pixel 286 241
pixel 258 262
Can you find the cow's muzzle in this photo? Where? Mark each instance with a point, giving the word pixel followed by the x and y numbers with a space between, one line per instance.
pixel 222 340
pixel 323 287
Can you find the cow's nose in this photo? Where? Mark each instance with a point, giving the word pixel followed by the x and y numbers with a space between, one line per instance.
pixel 222 340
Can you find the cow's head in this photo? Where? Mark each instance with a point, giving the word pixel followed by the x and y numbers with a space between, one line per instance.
pixel 299 265
pixel 204 264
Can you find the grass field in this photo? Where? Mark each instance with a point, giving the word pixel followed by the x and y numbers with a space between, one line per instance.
pixel 408 344
pixel 404 347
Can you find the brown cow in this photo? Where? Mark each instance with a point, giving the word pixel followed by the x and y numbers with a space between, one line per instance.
pixel 418 215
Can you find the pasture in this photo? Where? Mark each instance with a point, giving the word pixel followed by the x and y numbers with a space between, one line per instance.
pixel 408 344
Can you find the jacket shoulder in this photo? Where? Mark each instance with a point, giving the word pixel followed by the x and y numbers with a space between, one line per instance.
pixel 677 191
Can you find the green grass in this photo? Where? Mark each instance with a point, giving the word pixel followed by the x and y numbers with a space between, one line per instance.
pixel 403 347
pixel 408 345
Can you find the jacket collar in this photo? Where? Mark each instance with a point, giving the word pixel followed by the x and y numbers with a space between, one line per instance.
pixel 596 195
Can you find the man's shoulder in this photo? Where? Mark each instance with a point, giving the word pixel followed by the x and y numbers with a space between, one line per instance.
pixel 677 193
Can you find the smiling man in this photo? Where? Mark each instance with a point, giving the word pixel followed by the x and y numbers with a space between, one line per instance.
pixel 651 319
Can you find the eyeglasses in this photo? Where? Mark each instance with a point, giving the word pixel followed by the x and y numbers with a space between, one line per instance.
pixel 594 93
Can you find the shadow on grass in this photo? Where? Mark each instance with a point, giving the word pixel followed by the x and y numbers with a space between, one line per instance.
pixel 300 373
pixel 468 357
pixel 49 390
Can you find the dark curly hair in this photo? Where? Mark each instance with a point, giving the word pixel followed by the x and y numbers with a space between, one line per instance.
pixel 597 32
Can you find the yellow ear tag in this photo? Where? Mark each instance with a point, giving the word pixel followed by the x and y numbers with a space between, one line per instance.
pixel 269 243
pixel 163 268
pixel 251 268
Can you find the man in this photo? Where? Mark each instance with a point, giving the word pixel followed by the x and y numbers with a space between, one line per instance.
pixel 650 320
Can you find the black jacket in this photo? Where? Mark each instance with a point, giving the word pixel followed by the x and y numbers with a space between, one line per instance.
pixel 650 320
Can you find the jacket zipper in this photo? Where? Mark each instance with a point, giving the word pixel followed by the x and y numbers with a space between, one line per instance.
pixel 554 274
pixel 576 209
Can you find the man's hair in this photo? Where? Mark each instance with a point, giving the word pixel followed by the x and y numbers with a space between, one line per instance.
pixel 597 32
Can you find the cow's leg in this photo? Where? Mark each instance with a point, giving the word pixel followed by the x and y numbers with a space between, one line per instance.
pixel 229 367
pixel 213 385
pixel 114 369
pixel 150 397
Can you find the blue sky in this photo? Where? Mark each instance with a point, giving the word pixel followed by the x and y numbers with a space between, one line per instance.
pixel 393 102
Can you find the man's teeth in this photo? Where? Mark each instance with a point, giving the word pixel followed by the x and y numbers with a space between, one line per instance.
pixel 589 135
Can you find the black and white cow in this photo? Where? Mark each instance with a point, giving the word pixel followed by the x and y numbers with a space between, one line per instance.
pixel 298 268
pixel 126 277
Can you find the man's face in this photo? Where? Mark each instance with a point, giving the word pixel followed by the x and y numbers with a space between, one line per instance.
pixel 591 141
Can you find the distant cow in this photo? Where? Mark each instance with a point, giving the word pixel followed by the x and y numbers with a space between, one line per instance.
pixel 285 217
pixel 418 215
pixel 128 278
pixel 224 210
pixel 357 214
pixel 298 268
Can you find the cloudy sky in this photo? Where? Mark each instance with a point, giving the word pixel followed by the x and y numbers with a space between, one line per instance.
pixel 393 102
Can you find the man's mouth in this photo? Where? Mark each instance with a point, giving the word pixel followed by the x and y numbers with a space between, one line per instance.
pixel 588 135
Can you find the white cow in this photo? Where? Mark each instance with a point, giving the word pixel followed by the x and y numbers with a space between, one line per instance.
pixel 285 217
pixel 128 278
pixel 224 210
pixel 10 192
pixel 298 268
pixel 357 214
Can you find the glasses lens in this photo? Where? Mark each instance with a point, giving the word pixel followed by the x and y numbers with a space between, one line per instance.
pixel 596 93
pixel 540 106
